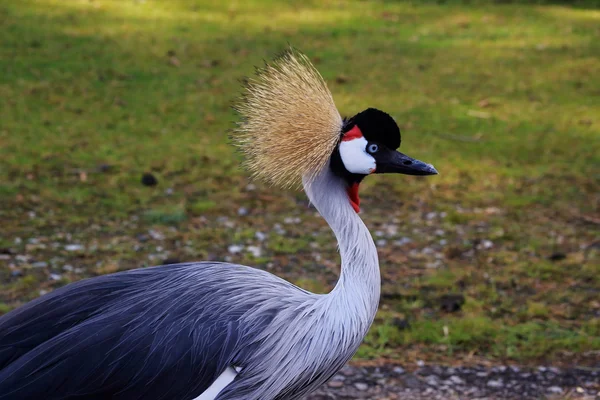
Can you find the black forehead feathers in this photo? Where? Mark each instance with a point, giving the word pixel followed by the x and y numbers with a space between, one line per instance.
pixel 376 126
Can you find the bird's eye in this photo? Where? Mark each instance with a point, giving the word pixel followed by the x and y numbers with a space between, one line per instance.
pixel 372 148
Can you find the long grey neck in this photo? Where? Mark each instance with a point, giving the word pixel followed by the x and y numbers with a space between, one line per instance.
pixel 359 284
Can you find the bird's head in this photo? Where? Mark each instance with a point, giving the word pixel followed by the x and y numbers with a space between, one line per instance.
pixel 290 131
pixel 368 145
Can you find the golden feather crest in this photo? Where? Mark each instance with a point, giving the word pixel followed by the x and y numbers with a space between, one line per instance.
pixel 290 125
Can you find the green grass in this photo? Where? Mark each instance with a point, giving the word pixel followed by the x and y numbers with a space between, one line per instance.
pixel 503 99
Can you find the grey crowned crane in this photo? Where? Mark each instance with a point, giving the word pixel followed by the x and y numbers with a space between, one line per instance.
pixel 212 330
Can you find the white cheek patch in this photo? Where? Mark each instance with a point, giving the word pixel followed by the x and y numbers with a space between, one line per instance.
pixel 355 157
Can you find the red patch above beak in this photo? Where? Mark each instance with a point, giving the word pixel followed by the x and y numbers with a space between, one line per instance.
pixel 353 195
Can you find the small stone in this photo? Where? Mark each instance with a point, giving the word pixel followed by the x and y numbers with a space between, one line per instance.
pixel 39 264
pixel 411 381
pixel 431 215
pixel 156 235
pixel 437 370
pixel 229 224
pixel 149 180
pixel 456 380
pixel 74 247
pixel 381 242
pixel 254 250
pixel 104 168
pixel 398 370
pixel 261 236
pixel 554 390
pixel 361 386
pixel 235 249
pixel 420 363
pixel 401 323
pixel 557 256
pixel 451 302
pixel 341 79
pixel 391 230
pixel 495 383
pixel 402 241
pixel 279 229
pixel 486 244
pixel 16 273
pixel 335 384
pixel 55 277
pixel 68 268
pixel 432 380
pixel 242 211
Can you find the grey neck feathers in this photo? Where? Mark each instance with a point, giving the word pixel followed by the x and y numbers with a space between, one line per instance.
pixel 359 285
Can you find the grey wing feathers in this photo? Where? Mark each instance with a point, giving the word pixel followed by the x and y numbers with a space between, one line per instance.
pixel 153 333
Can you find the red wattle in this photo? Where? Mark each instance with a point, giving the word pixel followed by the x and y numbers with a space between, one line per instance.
pixel 353 195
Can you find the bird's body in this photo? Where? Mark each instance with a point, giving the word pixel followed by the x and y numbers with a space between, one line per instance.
pixel 204 330
pixel 168 332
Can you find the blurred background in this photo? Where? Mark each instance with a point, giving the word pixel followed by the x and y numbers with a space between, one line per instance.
pixel 114 155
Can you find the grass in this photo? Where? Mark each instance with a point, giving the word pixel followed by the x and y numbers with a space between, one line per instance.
pixel 502 99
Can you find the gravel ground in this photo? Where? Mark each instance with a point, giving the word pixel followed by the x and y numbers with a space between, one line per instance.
pixel 434 382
